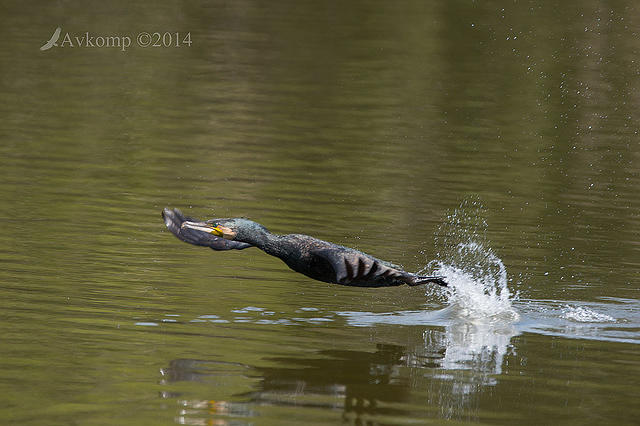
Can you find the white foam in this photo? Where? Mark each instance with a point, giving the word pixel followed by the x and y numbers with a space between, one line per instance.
pixel 582 314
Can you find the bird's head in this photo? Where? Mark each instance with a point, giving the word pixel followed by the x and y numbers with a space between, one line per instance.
pixel 230 229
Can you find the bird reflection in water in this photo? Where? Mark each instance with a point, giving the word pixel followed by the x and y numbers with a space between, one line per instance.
pixel 360 383
pixel 207 412
pixel 352 381
pixel 393 380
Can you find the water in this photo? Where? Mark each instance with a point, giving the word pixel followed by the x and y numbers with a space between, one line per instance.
pixel 494 143
pixel 481 316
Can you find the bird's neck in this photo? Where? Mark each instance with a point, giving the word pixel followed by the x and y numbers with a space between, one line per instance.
pixel 264 240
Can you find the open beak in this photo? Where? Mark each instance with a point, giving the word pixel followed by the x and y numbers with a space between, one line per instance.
pixel 203 227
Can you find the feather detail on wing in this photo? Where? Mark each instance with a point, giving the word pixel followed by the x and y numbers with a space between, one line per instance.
pixel 355 268
pixel 174 218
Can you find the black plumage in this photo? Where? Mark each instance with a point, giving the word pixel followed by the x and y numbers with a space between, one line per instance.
pixel 310 256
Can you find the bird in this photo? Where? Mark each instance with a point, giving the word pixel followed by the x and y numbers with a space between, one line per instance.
pixel 317 259
pixel 53 41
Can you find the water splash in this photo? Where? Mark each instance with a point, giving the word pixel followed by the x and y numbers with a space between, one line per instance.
pixel 478 293
pixel 477 277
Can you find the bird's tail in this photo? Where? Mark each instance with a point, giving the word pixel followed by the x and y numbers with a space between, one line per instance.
pixel 434 279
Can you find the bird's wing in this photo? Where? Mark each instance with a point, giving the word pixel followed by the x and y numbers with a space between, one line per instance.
pixel 353 267
pixel 174 218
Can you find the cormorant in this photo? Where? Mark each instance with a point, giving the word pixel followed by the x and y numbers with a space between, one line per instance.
pixel 310 256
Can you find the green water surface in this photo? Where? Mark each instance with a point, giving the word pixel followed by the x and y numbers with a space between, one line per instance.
pixel 362 123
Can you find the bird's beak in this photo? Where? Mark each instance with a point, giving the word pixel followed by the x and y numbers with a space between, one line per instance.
pixel 218 231
pixel 203 227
